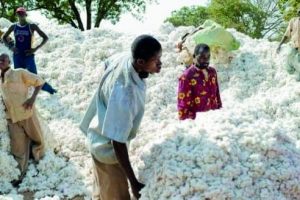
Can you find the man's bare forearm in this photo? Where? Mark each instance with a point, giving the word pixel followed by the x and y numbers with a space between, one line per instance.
pixel 43 43
pixel 36 92
pixel 123 158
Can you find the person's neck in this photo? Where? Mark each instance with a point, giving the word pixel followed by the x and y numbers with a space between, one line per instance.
pixel 201 67
pixel 141 73
pixel 3 71
pixel 23 23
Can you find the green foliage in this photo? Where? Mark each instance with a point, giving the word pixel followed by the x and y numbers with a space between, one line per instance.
pixel 8 7
pixel 256 18
pixel 289 8
pixel 238 14
pixel 69 11
pixel 189 16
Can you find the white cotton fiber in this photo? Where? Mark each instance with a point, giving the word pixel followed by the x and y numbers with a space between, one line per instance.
pixel 247 150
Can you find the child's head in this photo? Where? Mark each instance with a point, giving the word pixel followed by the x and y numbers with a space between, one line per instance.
pixel 21 14
pixel 4 61
pixel 146 52
pixel 202 55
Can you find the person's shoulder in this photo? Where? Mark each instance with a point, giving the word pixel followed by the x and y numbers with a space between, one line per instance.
pixel 212 69
pixel 116 59
pixel 12 26
pixel 19 70
pixel 189 72
pixel 33 25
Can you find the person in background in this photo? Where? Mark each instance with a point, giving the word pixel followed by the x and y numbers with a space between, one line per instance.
pixel 293 33
pixel 183 50
pixel 23 125
pixel 22 47
pixel 114 116
pixel 198 89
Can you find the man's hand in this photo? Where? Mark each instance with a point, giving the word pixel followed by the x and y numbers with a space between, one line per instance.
pixel 28 104
pixel 123 158
pixel 136 188
pixel 179 46
pixel 30 52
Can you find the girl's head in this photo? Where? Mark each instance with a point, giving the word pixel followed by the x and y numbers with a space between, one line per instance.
pixel 146 52
pixel 21 14
pixel 202 55
pixel 4 61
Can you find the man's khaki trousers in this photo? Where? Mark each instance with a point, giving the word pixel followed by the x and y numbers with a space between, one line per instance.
pixel 110 182
pixel 24 135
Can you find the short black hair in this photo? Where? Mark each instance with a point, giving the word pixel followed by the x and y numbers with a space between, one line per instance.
pixel 144 47
pixel 5 56
pixel 200 48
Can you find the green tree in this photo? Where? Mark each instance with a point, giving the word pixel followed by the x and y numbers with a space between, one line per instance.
pixel 189 16
pixel 289 8
pixel 8 8
pixel 257 18
pixel 70 11
pixel 272 24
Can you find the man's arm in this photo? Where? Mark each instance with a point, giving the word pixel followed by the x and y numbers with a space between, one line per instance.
pixel 41 33
pixel 185 99
pixel 284 39
pixel 31 80
pixel 29 103
pixel 286 36
pixel 35 27
pixel 123 158
pixel 6 40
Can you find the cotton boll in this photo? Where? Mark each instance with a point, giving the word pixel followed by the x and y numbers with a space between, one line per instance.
pixel 54 177
pixel 4 23
pixel 11 197
pixel 249 149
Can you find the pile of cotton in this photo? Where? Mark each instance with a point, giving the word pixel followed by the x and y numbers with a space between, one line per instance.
pixel 247 150
pixel 8 166
pixel 55 174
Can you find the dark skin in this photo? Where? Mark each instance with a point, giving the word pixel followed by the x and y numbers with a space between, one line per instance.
pixel 33 27
pixel 284 39
pixel 4 67
pixel 201 59
pixel 151 66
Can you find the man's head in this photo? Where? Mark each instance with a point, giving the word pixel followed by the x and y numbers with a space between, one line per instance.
pixel 21 14
pixel 4 61
pixel 146 52
pixel 202 55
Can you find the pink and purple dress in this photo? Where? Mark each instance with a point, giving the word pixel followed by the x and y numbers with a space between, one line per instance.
pixel 198 91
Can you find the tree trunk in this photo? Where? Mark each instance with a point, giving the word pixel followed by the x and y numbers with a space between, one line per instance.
pixel 100 13
pixel 98 20
pixel 103 8
pixel 77 14
pixel 73 24
pixel 88 14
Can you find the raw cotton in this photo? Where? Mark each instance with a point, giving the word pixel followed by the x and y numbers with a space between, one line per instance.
pixel 247 150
